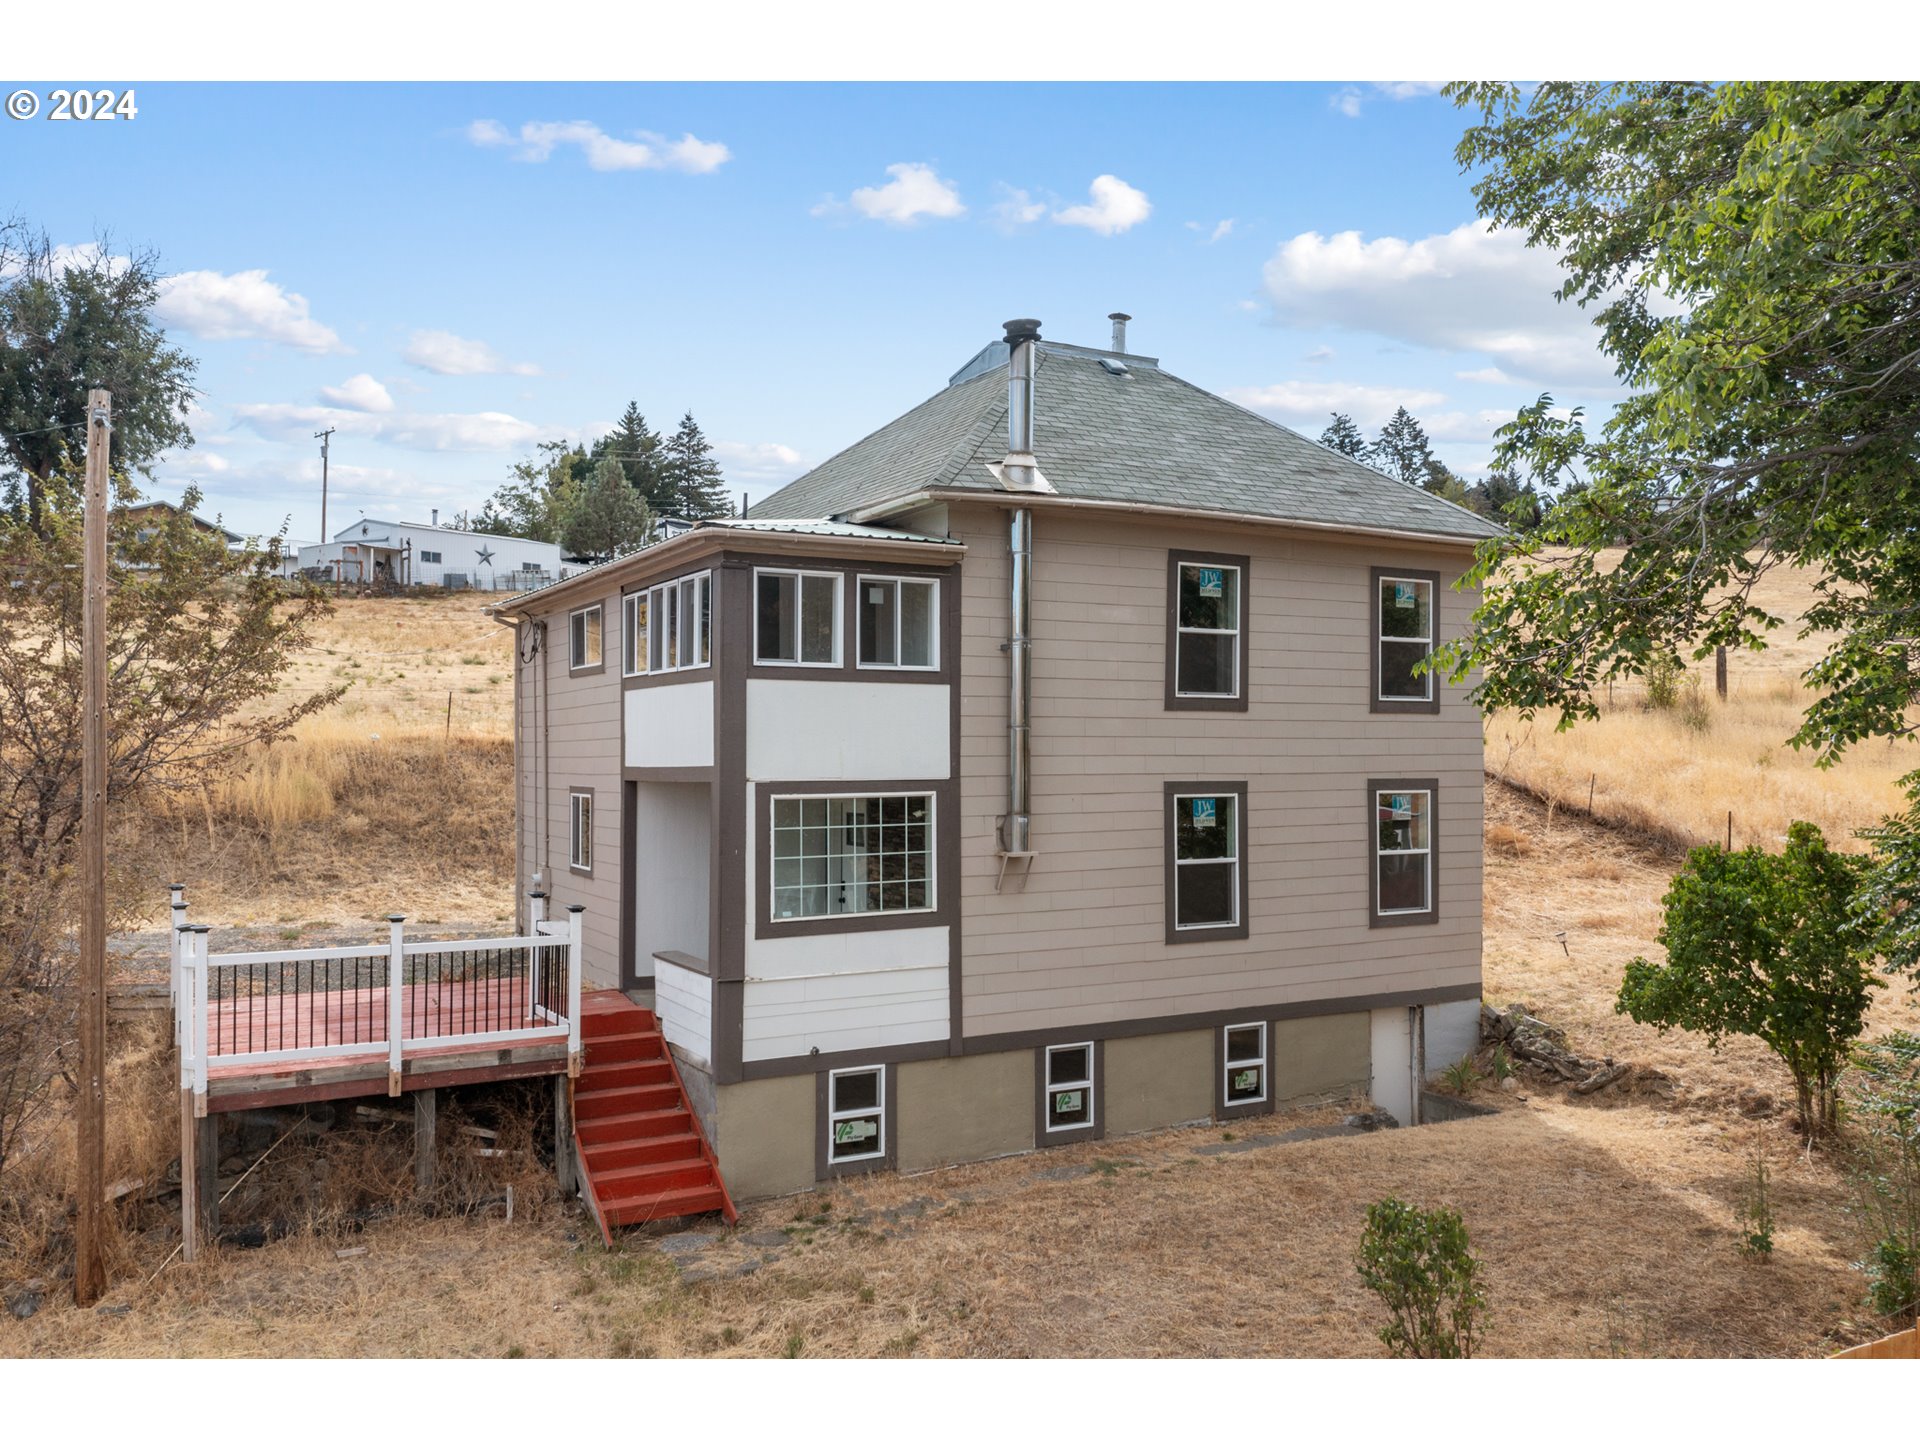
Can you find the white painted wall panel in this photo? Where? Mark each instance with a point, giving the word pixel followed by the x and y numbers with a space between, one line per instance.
pixel 846 730
pixel 1453 1033
pixel 1392 1088
pixel 684 1002
pixel 861 953
pixel 669 724
pixel 673 843
pixel 843 1012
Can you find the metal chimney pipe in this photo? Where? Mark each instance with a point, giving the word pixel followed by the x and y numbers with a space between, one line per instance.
pixel 436 516
pixel 1119 331
pixel 1016 826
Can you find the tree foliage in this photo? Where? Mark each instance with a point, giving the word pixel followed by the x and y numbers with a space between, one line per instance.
pixel 72 320
pixel 1773 946
pixel 1747 251
pixel 1344 436
pixel 536 502
pixel 608 515
pixel 694 481
pixel 1420 1263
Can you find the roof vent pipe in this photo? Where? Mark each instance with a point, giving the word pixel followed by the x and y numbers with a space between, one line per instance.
pixel 1017 824
pixel 1119 320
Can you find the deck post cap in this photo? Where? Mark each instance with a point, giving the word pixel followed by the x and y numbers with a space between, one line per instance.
pixel 176 885
pixel 537 894
pixel 575 909
pixel 179 904
pixel 395 919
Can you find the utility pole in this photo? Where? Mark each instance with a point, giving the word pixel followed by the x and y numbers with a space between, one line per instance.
pixel 89 1270
pixel 321 436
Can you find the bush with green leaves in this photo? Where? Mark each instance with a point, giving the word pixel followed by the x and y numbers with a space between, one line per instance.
pixel 1884 1163
pixel 1771 946
pixel 1756 1210
pixel 1419 1262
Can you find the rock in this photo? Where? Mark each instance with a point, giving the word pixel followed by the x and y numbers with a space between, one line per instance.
pixel 114 1310
pixel 24 1306
pixel 686 1242
pixel 1602 1078
pixel 1510 1085
pixel 1755 1103
pixel 1370 1120
pixel 748 1268
pixel 1064 1172
pixel 766 1239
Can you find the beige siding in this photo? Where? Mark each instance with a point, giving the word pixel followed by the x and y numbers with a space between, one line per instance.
pixel 1084 941
pixel 579 745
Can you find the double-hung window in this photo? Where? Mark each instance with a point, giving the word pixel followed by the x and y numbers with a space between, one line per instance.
pixel 898 624
pixel 429 557
pixel 1069 1094
pixel 796 617
pixel 1206 879
pixel 851 855
pixel 633 634
pixel 856 1115
pixel 580 832
pixel 583 638
pixel 679 618
pixel 1243 1050
pixel 1206 625
pixel 1403 631
pixel 1402 851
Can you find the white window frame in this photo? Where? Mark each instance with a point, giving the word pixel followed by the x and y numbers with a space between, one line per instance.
pixel 633 633
pixel 665 597
pixel 899 621
pixel 1381 640
pixel 1235 860
pixel 580 831
pixel 800 578
pixel 774 917
pixel 1093 1096
pixel 574 662
pixel 430 557
pixel 1426 852
pixel 1228 1064
pixel 877 1113
pixel 1238 632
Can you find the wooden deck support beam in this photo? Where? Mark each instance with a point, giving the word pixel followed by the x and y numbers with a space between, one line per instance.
pixel 566 1163
pixel 189 1178
pixel 207 1152
pixel 426 1116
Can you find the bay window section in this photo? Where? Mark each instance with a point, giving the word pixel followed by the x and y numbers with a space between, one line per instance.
pixel 633 634
pixel 796 617
pixel 678 616
pixel 851 855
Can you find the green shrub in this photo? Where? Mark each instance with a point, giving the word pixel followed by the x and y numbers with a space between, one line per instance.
pixel 1756 1211
pixel 1419 1263
pixel 1884 1163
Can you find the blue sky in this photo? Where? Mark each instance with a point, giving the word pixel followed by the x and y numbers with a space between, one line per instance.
pixel 453 272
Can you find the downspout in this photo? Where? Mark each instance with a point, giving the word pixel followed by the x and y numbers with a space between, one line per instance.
pixel 1019 472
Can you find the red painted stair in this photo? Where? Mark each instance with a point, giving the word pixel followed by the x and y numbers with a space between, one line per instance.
pixel 642 1153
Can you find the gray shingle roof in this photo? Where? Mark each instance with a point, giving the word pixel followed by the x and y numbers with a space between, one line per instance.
pixel 1144 437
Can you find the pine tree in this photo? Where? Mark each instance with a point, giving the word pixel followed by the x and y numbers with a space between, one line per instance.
pixel 698 489
pixel 1344 436
pixel 1403 451
pixel 607 516
pixel 637 446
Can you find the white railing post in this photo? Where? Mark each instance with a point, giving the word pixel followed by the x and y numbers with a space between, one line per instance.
pixel 176 918
pixel 396 983
pixel 576 964
pixel 200 1040
pixel 537 908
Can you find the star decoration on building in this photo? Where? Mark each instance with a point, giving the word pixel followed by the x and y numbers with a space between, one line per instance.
pixel 486 556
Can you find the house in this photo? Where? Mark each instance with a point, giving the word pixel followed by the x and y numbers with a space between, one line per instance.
pixel 1053 763
pixel 147 515
pixel 371 551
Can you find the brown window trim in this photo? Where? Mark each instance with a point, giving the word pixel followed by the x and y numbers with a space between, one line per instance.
pixel 946 859
pixel 1175 700
pixel 1376 705
pixel 1043 1137
pixel 599 666
pixel 1431 915
pixel 824 1167
pixel 1176 936
pixel 593 807
pixel 1247 1109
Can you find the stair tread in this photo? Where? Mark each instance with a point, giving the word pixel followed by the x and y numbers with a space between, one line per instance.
pixel 651 1167
pixel 663 1205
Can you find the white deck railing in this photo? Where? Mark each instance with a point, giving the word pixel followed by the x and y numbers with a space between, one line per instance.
pixel 267 1007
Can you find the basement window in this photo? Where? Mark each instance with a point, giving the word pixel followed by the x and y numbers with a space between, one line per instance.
pixel 1403 852
pixel 796 617
pixel 580 833
pixel 1244 1049
pixel 851 855
pixel 1069 1092
pixel 679 617
pixel 633 634
pixel 1403 609
pixel 583 638
pixel 1206 623
pixel 1206 881
pixel 856 1115
pixel 898 625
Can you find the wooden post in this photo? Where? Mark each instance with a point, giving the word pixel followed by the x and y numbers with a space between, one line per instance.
pixel 565 1162
pixel 189 1178
pixel 207 1151
pixel 1720 671
pixel 1729 832
pixel 396 984
pixel 448 737
pixel 89 1268
pixel 426 1115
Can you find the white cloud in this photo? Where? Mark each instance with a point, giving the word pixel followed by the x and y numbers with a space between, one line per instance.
pixel 915 191
pixel 1116 206
pixel 242 306
pixel 1476 289
pixel 766 463
pixel 360 392
pixel 1319 355
pixel 1017 207
pixel 538 139
pixel 1306 404
pixel 445 353
pixel 1217 232
pixel 1488 375
pixel 1350 100
pixel 486 430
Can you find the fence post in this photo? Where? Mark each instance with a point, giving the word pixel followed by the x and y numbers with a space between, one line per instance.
pixel 178 918
pixel 576 963
pixel 201 1041
pixel 396 983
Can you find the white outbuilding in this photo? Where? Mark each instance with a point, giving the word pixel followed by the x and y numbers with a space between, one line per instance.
pixel 373 551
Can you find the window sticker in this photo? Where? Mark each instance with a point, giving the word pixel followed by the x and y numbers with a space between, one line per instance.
pixel 1403 594
pixel 1400 806
pixel 1247 1080
pixel 1203 813
pixel 1213 585
pixel 1066 1102
pixel 847 1132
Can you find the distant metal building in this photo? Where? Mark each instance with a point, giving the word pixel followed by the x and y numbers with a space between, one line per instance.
pixel 373 551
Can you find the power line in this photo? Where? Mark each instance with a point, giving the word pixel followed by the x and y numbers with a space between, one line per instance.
pixel 23 434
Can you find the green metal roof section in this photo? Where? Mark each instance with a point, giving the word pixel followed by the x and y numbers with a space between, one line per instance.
pixel 1143 436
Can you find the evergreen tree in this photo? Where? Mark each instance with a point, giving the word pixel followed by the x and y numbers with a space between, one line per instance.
pixel 698 489
pixel 1344 436
pixel 637 446
pixel 1403 452
pixel 607 516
